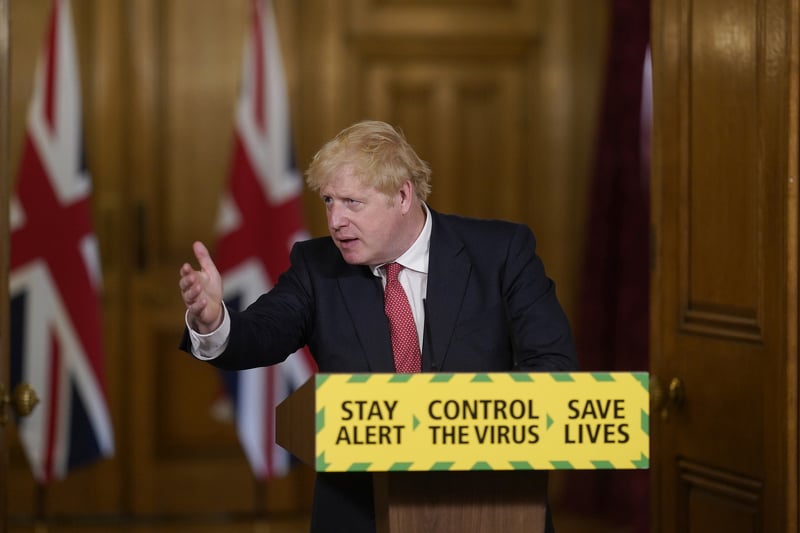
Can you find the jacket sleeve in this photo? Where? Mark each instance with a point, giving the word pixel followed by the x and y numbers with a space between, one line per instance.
pixel 542 337
pixel 276 325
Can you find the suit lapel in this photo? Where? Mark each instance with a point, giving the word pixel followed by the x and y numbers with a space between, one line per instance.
pixel 448 272
pixel 363 297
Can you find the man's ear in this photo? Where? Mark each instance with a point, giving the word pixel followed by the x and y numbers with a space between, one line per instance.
pixel 406 196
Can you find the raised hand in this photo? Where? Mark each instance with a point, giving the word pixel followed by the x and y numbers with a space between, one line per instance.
pixel 201 291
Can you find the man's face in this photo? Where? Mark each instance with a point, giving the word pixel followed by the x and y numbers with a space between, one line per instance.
pixel 367 225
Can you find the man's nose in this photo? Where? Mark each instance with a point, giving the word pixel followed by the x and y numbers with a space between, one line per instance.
pixel 336 217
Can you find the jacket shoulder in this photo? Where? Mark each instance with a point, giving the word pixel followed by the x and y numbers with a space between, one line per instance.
pixel 486 232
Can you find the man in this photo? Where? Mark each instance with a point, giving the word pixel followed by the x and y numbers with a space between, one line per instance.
pixel 478 295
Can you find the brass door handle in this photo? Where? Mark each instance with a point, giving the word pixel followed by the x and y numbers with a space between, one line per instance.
pixel 23 400
pixel 664 401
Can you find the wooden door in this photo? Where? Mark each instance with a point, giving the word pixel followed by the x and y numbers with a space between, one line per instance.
pixel 724 343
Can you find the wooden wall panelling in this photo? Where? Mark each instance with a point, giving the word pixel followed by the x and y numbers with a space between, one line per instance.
pixel 501 98
pixel 568 95
pixel 326 89
pixel 185 461
pixel 444 18
pixel 458 79
pixel 463 115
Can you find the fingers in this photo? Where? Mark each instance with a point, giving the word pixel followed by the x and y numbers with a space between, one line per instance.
pixel 204 258
pixel 201 290
pixel 187 277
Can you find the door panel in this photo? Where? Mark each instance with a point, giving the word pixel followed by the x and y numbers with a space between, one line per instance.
pixel 724 297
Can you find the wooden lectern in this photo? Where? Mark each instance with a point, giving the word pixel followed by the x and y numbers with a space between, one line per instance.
pixel 461 501
pixel 466 452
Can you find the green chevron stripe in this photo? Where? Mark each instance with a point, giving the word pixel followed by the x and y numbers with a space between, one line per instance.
pixel 359 378
pixel 562 465
pixel 520 377
pixel 321 379
pixel 442 466
pixel 400 467
pixel 603 465
pixel 441 378
pixel 603 376
pixel 321 464
pixel 562 377
pixel 359 467
pixel 645 422
pixel 401 378
pixel 320 419
pixel 521 465
pixel 481 378
pixel 644 380
pixel 643 462
pixel 481 465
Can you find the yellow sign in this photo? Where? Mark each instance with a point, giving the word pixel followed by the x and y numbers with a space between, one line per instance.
pixel 494 421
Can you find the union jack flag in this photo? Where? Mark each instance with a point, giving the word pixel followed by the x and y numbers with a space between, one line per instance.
pixel 55 277
pixel 260 218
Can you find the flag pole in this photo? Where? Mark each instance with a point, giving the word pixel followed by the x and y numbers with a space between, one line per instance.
pixel 260 490
pixel 40 508
pixel 261 520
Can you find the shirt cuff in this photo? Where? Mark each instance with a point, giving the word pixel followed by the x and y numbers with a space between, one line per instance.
pixel 207 346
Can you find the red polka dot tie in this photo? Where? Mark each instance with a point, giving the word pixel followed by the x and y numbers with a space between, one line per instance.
pixel 405 343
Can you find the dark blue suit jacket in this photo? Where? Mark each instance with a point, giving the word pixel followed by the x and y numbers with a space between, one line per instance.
pixel 489 307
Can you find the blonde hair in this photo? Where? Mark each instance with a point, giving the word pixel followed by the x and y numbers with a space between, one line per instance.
pixel 377 153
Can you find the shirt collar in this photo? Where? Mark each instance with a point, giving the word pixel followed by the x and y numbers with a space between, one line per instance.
pixel 416 257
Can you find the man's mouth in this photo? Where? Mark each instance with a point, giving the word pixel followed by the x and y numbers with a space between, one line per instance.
pixel 348 241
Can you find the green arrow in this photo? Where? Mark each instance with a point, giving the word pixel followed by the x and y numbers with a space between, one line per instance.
pixel 643 378
pixel 415 422
pixel 321 464
pixel 643 462
pixel 549 421
pixel 320 419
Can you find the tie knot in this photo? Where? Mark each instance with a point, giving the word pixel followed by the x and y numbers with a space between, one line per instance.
pixel 392 270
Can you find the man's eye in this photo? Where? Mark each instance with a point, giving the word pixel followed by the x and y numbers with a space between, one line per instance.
pixel 326 200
